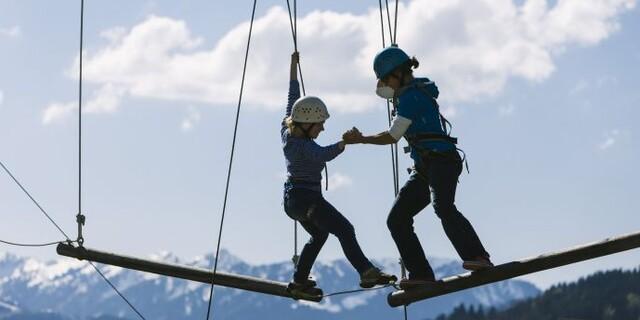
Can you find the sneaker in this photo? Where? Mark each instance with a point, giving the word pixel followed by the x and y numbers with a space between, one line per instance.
pixel 407 284
pixel 302 285
pixel 305 290
pixel 478 263
pixel 373 276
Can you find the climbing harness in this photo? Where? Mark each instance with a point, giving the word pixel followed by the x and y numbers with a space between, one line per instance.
pixel 415 139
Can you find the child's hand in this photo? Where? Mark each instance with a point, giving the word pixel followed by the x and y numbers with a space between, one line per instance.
pixel 352 136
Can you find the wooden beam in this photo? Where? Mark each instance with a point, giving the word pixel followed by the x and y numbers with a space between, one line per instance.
pixel 516 268
pixel 182 272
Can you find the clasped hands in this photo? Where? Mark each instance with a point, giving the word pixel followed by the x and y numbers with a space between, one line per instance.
pixel 352 136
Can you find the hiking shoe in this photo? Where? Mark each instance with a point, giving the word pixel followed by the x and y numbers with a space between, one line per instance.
pixel 407 284
pixel 478 263
pixel 304 290
pixel 302 285
pixel 373 276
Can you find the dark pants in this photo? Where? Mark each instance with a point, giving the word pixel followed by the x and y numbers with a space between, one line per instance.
pixel 440 176
pixel 320 218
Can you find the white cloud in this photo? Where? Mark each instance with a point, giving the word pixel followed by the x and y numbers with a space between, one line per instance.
pixel 11 32
pixel 338 181
pixel 193 117
pixel 1 97
pixel 106 99
pixel 611 138
pixel 470 48
pixel 58 111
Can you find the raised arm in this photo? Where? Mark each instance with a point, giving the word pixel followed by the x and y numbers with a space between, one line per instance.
pixel 294 86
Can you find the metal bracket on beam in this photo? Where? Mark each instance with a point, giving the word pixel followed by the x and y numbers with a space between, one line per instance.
pixel 188 273
pixel 516 269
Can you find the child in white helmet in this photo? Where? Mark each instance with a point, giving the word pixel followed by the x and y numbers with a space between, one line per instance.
pixel 303 200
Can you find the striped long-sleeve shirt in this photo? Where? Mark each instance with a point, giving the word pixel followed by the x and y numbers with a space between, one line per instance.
pixel 304 158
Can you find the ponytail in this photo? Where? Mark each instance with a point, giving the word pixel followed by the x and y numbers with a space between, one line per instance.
pixel 414 63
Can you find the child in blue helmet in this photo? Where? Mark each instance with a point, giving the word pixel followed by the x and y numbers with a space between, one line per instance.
pixel 435 174
pixel 303 200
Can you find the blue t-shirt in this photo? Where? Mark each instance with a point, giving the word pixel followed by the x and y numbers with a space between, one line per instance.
pixel 419 106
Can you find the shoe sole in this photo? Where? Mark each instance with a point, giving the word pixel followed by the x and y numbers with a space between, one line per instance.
pixel 475 266
pixel 306 294
pixel 373 283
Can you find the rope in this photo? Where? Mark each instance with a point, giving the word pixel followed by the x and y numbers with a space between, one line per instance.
pixel 357 290
pixel 116 290
pixel 389 21
pixel 382 24
pixel 31 244
pixel 395 25
pixel 233 145
pixel 394 153
pixel 394 147
pixel 295 257
pixel 391 148
pixel 294 30
pixel 293 21
pixel 80 219
pixel 59 229
pixel 33 200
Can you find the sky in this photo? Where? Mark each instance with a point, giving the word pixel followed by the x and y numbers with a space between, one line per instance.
pixel 542 96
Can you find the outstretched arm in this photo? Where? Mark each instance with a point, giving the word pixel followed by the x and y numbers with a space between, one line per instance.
pixel 354 136
pixel 311 150
pixel 395 132
pixel 382 138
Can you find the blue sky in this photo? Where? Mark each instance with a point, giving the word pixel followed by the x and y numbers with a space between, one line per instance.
pixel 542 95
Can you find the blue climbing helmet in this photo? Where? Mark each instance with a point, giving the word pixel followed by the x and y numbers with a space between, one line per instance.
pixel 388 60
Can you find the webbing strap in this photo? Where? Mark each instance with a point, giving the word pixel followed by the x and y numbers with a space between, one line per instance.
pixel 430 137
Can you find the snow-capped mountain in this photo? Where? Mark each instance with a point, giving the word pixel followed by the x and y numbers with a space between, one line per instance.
pixel 73 290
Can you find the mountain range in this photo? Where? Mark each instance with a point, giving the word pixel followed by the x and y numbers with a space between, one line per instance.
pixel 69 289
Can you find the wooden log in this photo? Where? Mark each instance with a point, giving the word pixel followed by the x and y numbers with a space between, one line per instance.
pixel 516 268
pixel 188 273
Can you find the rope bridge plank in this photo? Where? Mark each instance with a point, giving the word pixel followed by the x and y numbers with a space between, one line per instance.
pixel 517 268
pixel 188 273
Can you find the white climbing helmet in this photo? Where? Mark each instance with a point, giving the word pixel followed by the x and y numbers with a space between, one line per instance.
pixel 309 109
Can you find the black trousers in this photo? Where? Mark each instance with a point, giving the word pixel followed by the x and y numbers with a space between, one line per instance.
pixel 319 218
pixel 434 181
